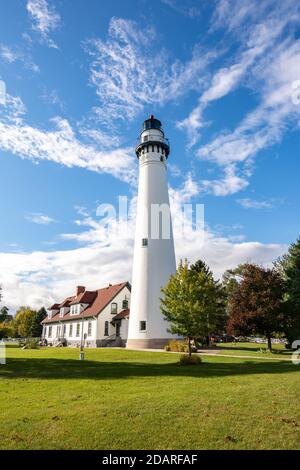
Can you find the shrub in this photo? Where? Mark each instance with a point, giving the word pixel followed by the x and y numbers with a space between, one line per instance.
pixel 31 343
pixel 193 360
pixel 176 346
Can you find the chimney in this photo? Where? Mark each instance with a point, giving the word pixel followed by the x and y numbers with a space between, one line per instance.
pixel 80 290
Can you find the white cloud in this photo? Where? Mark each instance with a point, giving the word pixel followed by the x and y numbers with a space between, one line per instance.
pixel 60 145
pixel 8 54
pixel 39 219
pixel 248 203
pixel 129 71
pixel 187 8
pixel 266 63
pixel 266 124
pixel 225 80
pixel 44 19
pixel 11 55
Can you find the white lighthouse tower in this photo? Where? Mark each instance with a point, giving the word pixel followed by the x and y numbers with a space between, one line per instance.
pixel 154 256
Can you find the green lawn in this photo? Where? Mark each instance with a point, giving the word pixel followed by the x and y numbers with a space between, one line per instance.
pixel 254 349
pixel 120 399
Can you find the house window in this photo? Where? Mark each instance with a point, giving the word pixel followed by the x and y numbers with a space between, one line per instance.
pixel 64 329
pixel 142 325
pixel 89 328
pixel 71 329
pixel 114 307
pixel 61 313
pixel 106 328
pixel 50 332
pixel 45 334
pixel 144 241
pixel 125 304
pixel 75 309
pixel 58 331
pixel 78 329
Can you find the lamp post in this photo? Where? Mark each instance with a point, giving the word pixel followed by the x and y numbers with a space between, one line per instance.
pixel 81 354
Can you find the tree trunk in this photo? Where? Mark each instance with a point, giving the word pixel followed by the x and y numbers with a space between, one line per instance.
pixel 189 346
pixel 269 343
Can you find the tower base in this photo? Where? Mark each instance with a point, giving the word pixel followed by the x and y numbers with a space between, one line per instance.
pixel 153 343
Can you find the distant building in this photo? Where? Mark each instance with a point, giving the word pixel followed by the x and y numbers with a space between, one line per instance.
pixel 98 317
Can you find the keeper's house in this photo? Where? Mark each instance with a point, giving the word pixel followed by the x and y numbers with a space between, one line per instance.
pixel 99 318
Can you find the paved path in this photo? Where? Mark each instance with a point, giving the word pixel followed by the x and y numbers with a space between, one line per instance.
pixel 217 352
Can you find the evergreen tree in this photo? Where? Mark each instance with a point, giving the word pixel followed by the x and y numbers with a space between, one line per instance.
pixel 37 328
pixel 4 315
pixel 288 267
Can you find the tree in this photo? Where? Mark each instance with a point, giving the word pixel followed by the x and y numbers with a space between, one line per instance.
pixel 256 302
pixel 191 302
pixel 4 315
pixel 37 328
pixel 25 321
pixel 217 320
pixel 288 266
pixel 6 330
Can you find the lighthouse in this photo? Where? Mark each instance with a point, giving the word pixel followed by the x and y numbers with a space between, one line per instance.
pixel 154 255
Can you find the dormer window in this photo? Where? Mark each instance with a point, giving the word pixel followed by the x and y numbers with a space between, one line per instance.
pixel 114 307
pixel 61 312
pixel 75 309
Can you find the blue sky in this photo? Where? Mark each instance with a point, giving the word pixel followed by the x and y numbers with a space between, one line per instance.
pixel 224 78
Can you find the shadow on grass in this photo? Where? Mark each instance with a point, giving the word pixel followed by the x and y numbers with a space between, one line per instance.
pixel 45 368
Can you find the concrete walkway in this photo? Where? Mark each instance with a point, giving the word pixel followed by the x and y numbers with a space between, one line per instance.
pixel 217 352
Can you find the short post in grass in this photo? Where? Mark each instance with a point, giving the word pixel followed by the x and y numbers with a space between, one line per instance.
pixel 2 352
pixel 81 354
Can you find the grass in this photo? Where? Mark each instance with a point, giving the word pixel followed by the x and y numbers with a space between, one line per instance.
pixel 254 349
pixel 119 399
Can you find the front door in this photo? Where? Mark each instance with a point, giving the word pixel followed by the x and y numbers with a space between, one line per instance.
pixel 118 329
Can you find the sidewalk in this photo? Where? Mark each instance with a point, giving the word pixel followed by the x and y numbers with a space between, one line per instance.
pixel 217 352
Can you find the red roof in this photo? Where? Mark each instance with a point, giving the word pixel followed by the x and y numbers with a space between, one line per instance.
pixel 66 302
pixel 54 307
pixel 86 297
pixel 97 300
pixel 122 314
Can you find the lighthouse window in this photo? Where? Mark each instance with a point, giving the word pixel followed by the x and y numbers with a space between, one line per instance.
pixel 142 325
pixel 145 138
pixel 152 148
pixel 144 241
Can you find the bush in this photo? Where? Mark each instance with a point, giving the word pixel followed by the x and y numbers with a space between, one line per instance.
pixel 176 346
pixel 186 360
pixel 31 343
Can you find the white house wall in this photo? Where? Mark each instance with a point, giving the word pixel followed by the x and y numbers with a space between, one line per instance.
pixel 106 315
